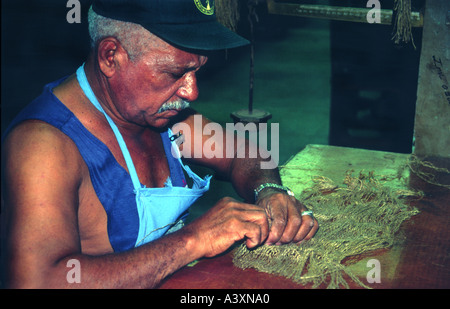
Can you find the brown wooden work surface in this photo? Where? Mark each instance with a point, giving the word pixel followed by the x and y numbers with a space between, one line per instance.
pixel 420 258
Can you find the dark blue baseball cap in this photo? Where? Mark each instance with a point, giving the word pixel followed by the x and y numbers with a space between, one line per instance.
pixel 190 24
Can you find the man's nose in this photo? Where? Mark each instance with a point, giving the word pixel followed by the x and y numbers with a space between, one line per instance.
pixel 189 90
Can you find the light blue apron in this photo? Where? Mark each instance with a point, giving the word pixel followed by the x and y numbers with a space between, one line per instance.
pixel 159 209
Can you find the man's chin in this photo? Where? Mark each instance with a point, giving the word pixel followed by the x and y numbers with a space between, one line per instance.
pixel 158 122
pixel 169 113
pixel 170 117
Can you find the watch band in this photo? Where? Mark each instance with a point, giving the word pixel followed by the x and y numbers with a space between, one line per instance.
pixel 274 186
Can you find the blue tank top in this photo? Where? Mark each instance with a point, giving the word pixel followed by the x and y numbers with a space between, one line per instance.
pixel 110 180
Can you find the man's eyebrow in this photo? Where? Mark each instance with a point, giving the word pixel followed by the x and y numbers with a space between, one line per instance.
pixel 186 68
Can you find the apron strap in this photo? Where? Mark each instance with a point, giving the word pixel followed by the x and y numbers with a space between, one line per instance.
pixel 82 79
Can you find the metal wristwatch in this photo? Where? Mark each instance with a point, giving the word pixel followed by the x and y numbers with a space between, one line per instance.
pixel 274 186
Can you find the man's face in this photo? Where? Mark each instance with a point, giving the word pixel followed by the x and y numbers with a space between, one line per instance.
pixel 164 77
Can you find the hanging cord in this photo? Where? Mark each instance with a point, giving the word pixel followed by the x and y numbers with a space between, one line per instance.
pixel 402 22
pixel 251 15
pixel 227 12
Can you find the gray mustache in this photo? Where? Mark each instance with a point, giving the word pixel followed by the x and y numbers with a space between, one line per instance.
pixel 178 105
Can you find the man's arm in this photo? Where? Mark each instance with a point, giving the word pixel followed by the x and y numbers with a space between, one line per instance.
pixel 284 212
pixel 42 176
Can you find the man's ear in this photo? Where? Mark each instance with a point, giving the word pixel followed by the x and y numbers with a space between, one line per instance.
pixel 110 54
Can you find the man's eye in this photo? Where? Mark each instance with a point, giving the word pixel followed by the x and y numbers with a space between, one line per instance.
pixel 177 75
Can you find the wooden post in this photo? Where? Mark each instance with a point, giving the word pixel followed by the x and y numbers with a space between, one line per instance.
pixel 432 120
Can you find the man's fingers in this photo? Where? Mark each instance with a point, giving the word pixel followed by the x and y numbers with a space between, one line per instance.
pixel 307 229
pixel 287 222
pixel 278 221
pixel 313 231
pixel 230 221
pixel 257 232
pixel 254 225
pixel 293 226
pixel 254 237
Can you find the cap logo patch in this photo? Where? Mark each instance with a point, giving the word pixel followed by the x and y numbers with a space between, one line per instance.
pixel 206 9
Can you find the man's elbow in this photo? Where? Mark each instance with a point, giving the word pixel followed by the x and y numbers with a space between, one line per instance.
pixel 28 278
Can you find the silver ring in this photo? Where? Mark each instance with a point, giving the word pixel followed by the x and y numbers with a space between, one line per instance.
pixel 308 213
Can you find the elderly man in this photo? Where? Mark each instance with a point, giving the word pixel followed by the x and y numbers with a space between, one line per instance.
pixel 89 174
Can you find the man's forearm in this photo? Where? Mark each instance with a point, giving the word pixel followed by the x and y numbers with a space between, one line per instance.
pixel 145 266
pixel 142 267
pixel 247 174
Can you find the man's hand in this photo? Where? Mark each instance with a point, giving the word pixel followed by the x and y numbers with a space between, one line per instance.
pixel 227 222
pixel 285 220
pixel 275 219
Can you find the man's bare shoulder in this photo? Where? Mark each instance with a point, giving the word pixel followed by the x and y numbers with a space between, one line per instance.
pixel 32 132
pixel 34 142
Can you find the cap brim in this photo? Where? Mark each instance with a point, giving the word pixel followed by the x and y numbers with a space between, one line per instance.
pixel 198 36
